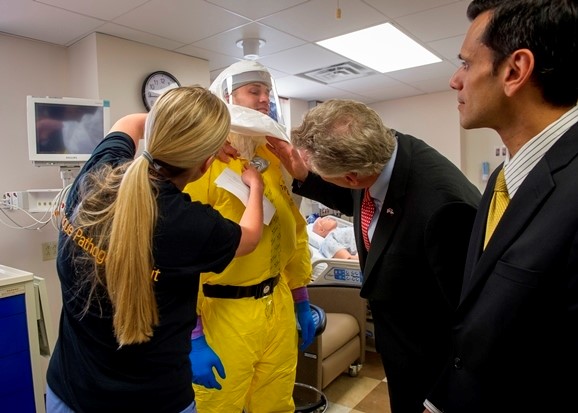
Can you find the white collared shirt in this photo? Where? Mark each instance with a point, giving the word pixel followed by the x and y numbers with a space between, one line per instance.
pixel 379 189
pixel 517 168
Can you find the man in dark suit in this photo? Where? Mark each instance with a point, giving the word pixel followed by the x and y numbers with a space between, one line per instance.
pixel 516 332
pixel 425 209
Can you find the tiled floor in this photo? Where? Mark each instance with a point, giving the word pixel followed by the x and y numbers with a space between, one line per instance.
pixel 365 393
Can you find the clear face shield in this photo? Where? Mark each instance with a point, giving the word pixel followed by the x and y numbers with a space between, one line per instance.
pixel 245 120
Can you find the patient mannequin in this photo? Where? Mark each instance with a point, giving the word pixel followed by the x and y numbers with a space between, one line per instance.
pixel 338 242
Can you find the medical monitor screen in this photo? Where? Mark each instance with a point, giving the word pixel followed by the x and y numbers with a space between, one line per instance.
pixel 65 131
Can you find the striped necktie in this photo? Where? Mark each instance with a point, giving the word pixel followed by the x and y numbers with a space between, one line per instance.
pixel 367 211
pixel 498 205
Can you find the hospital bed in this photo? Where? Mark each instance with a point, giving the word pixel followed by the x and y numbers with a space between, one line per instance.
pixel 333 271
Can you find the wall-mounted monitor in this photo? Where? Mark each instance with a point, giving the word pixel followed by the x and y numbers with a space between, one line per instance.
pixel 64 131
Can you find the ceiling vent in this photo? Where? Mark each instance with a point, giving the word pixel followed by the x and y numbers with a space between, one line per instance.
pixel 337 73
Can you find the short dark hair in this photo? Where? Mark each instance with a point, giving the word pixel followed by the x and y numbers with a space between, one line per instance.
pixel 477 7
pixel 549 29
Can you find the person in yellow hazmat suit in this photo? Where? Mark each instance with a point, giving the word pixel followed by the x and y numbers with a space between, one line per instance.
pixel 245 344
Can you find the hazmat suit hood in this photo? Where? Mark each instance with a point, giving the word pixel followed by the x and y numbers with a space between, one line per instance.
pixel 244 120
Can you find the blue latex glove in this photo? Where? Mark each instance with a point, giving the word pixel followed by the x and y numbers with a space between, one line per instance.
pixel 306 322
pixel 203 359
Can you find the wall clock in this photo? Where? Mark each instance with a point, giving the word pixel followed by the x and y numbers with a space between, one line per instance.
pixel 155 85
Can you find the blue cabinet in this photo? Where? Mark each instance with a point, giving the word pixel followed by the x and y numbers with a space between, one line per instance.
pixel 20 379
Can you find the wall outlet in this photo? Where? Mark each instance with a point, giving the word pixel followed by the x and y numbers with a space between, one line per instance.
pixel 49 250
pixel 6 201
pixel 500 151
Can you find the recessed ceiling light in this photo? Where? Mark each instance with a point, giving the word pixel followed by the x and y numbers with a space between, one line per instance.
pixel 383 48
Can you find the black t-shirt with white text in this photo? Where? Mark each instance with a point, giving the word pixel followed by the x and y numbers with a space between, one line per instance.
pixel 87 369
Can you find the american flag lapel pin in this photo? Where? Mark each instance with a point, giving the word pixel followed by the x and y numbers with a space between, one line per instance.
pixel 389 211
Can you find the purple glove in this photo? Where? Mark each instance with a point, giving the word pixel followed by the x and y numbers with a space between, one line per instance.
pixel 203 359
pixel 306 322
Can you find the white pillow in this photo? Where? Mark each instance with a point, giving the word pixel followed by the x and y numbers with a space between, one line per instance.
pixel 315 240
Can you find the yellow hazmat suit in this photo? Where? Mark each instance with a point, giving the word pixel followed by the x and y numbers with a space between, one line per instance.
pixel 256 339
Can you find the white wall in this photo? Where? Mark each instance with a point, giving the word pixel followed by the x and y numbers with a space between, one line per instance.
pixel 478 145
pixel 297 109
pixel 38 69
pixel 432 118
pixel 123 65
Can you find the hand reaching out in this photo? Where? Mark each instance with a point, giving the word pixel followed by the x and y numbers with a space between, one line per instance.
pixel 227 152
pixel 289 157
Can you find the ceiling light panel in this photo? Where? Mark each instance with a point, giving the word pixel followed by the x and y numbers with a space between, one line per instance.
pixel 383 48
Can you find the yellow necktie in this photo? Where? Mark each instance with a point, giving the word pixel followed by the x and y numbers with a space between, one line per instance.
pixel 498 205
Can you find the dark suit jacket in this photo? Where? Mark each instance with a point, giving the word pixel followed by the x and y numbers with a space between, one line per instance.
pixel 413 272
pixel 516 337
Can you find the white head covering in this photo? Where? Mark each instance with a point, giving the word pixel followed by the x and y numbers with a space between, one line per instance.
pixel 240 74
pixel 244 120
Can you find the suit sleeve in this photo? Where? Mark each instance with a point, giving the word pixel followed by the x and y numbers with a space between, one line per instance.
pixel 330 195
pixel 446 240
